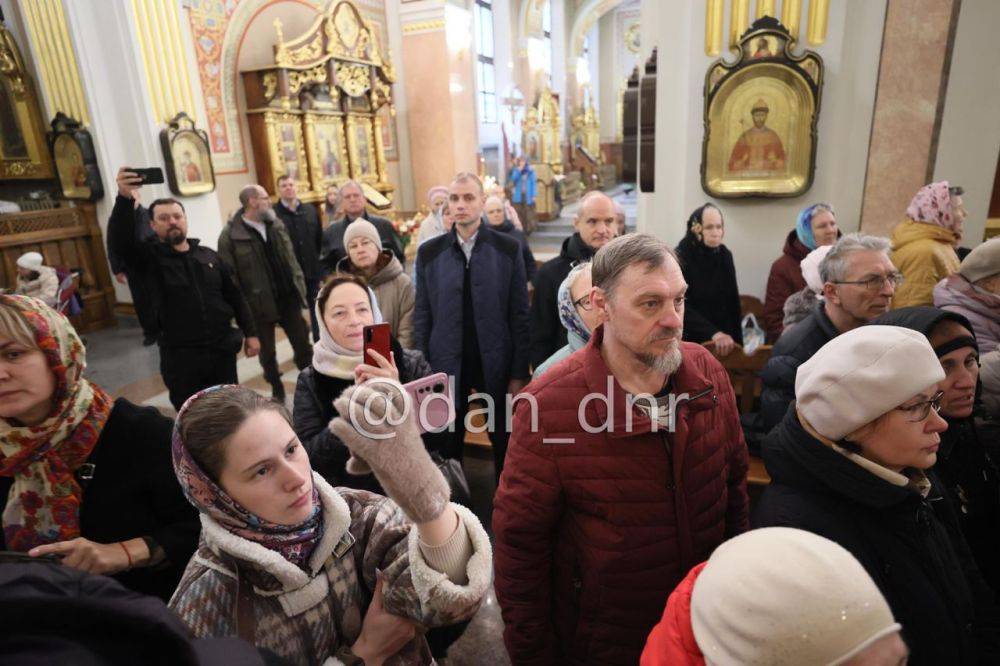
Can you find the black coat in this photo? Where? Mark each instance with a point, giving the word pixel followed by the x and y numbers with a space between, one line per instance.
pixel 313 410
pixel 333 249
pixel 192 293
pixel 306 232
pixel 968 475
pixel 547 332
pixel 792 350
pixel 56 615
pixel 919 561
pixel 499 296
pixel 134 493
pixel 713 298
pixel 530 266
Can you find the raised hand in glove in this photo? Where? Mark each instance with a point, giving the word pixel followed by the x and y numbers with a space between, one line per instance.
pixel 372 424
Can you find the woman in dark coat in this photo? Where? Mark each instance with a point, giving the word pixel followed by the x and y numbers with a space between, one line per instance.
pixel 850 462
pixel 83 477
pixel 969 477
pixel 712 309
pixel 344 306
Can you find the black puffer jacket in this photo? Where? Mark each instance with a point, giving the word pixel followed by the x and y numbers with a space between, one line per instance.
pixel 792 350
pixel 313 410
pixel 969 477
pixel 919 562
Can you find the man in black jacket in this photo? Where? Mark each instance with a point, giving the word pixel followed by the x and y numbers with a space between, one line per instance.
pixel 859 282
pixel 195 295
pixel 352 202
pixel 471 316
pixel 594 226
pixel 141 301
pixel 303 226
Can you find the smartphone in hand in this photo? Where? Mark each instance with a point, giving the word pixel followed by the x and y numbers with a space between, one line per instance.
pixel 150 176
pixel 376 337
pixel 435 391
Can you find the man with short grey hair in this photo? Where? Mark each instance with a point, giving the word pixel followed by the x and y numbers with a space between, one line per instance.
pixel 626 467
pixel 257 249
pixel 859 283
pixel 354 204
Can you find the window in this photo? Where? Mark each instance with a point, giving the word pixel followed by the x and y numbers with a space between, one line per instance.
pixel 485 67
pixel 547 36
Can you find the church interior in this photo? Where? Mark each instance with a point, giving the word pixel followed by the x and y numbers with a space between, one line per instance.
pixel 758 108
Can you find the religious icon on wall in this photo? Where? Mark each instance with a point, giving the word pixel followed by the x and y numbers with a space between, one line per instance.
pixel 188 158
pixel 23 152
pixel 76 161
pixel 363 147
pixel 760 117
pixel 327 153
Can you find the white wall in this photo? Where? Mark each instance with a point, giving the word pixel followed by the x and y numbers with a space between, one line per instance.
pixel 970 129
pixel 756 228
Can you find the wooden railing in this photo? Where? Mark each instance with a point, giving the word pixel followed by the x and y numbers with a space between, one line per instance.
pixel 68 237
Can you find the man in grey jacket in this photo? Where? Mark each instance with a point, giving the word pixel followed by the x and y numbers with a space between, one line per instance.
pixel 256 247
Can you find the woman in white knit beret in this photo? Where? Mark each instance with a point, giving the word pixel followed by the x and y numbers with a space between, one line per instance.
pixel 851 462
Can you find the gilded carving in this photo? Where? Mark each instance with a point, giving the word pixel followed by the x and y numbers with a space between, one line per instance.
pixel 347 26
pixel 353 78
pixel 297 79
pixel 270 82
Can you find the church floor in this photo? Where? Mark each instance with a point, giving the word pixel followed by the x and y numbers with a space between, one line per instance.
pixel 117 361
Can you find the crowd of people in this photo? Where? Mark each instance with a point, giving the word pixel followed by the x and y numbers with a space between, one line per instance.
pixel 622 529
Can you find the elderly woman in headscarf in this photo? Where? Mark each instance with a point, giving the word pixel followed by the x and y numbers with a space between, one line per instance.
pixel 576 312
pixel 433 225
pixel 815 227
pixel 801 303
pixel 923 245
pixel 83 477
pixel 712 310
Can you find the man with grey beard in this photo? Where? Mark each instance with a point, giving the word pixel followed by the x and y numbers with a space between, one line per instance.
pixel 626 467
pixel 258 250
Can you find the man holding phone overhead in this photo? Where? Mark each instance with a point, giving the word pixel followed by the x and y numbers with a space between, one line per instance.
pixel 196 298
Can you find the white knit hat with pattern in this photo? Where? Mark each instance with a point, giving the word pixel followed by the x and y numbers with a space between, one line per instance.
pixel 862 374
pixel 781 596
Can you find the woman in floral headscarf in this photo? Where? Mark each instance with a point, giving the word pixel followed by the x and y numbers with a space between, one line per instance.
pixel 712 310
pixel 577 314
pixel 923 245
pixel 83 478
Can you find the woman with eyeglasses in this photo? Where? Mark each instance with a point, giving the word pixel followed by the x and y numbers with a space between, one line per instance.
pixel 578 316
pixel 850 462
pixel 969 477
pixel 923 245
pixel 712 307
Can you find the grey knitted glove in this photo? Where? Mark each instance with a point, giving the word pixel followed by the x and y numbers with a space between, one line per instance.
pixel 395 453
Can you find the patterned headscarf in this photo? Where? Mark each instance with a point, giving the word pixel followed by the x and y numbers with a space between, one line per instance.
pixel 568 314
pixel 293 542
pixel 803 225
pixel 932 204
pixel 44 502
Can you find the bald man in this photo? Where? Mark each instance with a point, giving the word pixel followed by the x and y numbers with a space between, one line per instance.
pixel 594 225
pixel 258 250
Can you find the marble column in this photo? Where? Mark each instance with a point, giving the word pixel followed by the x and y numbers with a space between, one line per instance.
pixel 913 76
pixel 440 92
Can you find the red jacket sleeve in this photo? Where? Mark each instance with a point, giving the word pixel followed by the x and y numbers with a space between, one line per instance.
pixel 778 291
pixel 526 508
pixel 737 461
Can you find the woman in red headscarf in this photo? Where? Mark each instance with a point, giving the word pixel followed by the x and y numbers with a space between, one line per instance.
pixel 83 478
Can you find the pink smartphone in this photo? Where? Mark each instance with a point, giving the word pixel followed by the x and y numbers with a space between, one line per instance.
pixel 439 410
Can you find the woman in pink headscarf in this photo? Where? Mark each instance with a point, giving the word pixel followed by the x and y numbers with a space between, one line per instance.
pixel 923 245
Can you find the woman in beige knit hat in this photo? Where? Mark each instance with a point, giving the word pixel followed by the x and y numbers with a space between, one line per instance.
pixel 780 597
pixel 851 462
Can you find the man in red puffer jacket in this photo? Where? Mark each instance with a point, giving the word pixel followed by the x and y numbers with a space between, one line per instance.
pixel 604 505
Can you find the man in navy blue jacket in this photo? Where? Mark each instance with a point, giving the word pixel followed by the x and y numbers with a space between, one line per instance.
pixel 471 316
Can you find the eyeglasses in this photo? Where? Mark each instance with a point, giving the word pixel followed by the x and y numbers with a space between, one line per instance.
pixel 875 282
pixel 583 302
pixel 922 409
